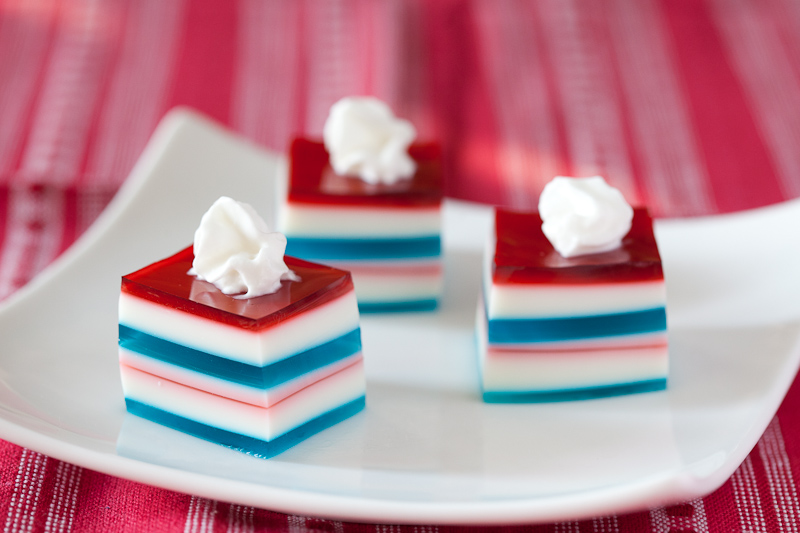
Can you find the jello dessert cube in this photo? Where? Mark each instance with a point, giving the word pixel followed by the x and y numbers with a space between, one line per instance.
pixel 387 234
pixel 257 374
pixel 554 328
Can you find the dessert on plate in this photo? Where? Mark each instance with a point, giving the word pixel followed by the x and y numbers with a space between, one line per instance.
pixel 573 301
pixel 367 199
pixel 232 342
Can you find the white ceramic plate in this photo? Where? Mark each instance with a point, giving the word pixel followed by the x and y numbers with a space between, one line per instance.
pixel 426 450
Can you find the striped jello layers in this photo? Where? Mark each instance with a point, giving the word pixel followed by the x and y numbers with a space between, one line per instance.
pixel 387 236
pixel 257 374
pixel 552 328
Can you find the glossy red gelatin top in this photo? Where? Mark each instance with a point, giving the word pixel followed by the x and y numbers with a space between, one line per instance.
pixel 524 255
pixel 167 283
pixel 312 180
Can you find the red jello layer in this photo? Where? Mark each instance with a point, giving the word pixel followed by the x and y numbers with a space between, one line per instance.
pixel 167 283
pixel 524 255
pixel 313 181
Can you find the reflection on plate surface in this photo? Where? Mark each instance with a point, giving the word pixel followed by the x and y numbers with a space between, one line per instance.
pixel 426 449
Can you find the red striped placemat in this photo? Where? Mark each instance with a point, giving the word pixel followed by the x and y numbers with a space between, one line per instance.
pixel 691 107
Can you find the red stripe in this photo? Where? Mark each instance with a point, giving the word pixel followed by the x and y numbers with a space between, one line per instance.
pixel 4 214
pixel 52 23
pixel 735 155
pixel 458 83
pixel 206 63
pixel 70 229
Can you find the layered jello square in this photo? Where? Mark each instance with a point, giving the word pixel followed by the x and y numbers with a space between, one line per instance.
pixel 387 235
pixel 255 374
pixel 552 328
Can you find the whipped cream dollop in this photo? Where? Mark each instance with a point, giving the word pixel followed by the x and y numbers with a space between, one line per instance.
pixel 234 250
pixel 365 139
pixel 583 215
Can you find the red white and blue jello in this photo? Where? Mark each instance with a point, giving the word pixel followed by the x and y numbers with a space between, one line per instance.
pixel 587 325
pixel 255 372
pixel 368 201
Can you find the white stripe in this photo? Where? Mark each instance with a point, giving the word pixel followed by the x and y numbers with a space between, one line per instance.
pixel 748 499
pixel 23 47
pixel 296 524
pixel 138 89
pixel 200 516
pixel 70 89
pixel 240 519
pixel 519 94
pixel 567 527
pixel 606 524
pixel 592 110
pixel 61 511
pixel 264 86
pixel 665 520
pixel 768 75
pixel 189 526
pixel 778 468
pixel 672 168
pixel 27 488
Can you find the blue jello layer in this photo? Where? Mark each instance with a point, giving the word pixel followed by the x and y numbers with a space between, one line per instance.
pixel 532 330
pixel 398 307
pixel 262 377
pixel 322 249
pixel 237 441
pixel 588 393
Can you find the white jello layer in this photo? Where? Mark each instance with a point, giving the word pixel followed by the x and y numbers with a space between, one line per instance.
pixel 222 387
pixel 540 369
pixel 242 418
pixel 395 282
pixel 572 370
pixel 550 301
pixel 556 300
pixel 306 330
pixel 309 220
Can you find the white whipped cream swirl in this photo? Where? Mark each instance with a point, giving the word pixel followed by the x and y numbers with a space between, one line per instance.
pixel 583 215
pixel 234 250
pixel 365 139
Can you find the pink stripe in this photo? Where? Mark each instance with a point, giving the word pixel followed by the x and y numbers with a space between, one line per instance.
pixel 337 64
pixel 500 352
pixel 268 63
pixel 245 394
pixel 137 90
pixel 72 84
pixel 25 30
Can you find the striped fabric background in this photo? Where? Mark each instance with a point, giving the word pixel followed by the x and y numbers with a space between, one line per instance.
pixel 689 106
